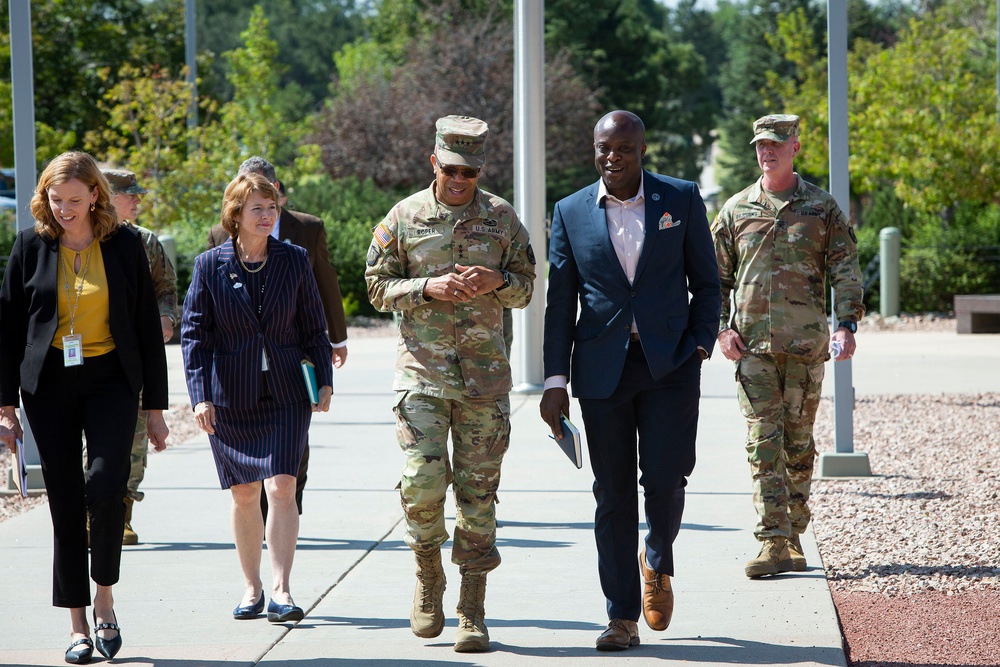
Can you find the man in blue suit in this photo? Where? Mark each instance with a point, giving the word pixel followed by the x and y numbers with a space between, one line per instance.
pixel 635 251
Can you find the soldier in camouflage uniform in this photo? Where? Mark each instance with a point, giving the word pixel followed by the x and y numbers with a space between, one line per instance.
pixel 126 194
pixel 450 259
pixel 775 242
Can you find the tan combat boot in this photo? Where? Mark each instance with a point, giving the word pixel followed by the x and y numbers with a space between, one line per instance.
pixel 797 554
pixel 427 616
pixel 129 537
pixel 773 558
pixel 472 635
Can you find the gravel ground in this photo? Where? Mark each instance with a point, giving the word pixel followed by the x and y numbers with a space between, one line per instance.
pixel 912 554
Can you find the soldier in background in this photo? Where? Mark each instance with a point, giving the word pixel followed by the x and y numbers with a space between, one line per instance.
pixel 126 194
pixel 450 259
pixel 776 242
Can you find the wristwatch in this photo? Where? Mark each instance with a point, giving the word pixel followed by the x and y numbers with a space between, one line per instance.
pixel 850 326
pixel 506 281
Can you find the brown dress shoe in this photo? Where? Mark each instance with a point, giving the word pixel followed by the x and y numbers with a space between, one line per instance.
pixel 619 636
pixel 657 596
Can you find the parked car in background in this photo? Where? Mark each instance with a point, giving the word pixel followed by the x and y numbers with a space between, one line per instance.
pixel 7 183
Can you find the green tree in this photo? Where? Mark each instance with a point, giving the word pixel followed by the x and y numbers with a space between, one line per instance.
pixel 924 117
pixel 744 27
pixel 380 124
pixel 75 41
pixel 309 32
pixel 622 50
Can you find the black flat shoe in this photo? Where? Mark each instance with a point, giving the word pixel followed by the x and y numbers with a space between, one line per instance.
pixel 108 647
pixel 280 613
pixel 80 651
pixel 250 611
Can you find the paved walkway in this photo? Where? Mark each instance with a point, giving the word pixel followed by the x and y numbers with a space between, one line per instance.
pixel 354 575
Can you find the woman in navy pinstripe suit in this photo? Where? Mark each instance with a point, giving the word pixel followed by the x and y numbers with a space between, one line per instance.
pixel 251 315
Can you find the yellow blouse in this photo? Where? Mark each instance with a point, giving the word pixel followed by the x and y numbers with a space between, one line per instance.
pixel 92 318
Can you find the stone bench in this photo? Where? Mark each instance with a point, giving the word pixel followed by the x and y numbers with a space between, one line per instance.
pixel 979 313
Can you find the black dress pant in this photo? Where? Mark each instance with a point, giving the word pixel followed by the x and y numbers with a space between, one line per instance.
pixel 664 415
pixel 94 398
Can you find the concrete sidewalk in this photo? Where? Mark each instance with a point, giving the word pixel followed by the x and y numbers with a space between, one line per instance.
pixel 354 575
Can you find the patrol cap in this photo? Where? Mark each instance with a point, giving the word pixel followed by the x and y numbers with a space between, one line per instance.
pixel 461 140
pixel 778 127
pixel 123 182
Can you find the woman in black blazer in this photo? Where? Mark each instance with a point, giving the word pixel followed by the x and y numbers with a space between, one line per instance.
pixel 79 337
pixel 251 315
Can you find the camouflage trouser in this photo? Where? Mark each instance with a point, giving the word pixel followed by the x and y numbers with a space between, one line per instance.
pixel 480 433
pixel 140 449
pixel 779 396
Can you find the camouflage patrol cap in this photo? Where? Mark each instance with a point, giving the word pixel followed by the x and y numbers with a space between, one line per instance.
pixel 778 127
pixel 123 182
pixel 461 140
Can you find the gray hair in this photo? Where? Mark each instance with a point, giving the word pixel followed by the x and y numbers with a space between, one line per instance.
pixel 258 165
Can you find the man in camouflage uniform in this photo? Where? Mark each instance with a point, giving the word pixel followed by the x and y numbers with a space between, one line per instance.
pixel 450 259
pixel 126 194
pixel 775 242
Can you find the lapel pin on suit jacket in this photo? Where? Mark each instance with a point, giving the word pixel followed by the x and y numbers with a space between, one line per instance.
pixel 666 221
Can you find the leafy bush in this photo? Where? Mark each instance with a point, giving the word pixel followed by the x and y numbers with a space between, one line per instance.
pixel 931 277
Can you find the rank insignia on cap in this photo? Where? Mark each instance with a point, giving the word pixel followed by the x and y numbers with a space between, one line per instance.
pixel 666 222
pixel 383 235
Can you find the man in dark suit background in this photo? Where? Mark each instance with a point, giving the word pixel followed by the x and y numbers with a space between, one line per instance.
pixel 635 251
pixel 306 231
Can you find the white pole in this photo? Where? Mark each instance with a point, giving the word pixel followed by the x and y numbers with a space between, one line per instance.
pixel 23 87
pixel 529 179
pixel 844 462
pixel 190 53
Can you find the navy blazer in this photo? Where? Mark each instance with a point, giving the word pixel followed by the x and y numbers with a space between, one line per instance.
pixel 307 231
pixel 223 341
pixel 677 258
pixel 29 315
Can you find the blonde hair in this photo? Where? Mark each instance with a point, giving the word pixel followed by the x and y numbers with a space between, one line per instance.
pixel 64 168
pixel 237 193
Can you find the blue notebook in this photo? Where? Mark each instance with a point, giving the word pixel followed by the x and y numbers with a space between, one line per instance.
pixel 309 375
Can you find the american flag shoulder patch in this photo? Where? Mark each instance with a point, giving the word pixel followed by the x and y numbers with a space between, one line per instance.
pixel 383 235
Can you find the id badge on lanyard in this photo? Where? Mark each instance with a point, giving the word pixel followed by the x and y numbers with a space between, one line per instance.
pixel 72 350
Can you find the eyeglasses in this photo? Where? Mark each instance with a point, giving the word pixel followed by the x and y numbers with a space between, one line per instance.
pixel 467 172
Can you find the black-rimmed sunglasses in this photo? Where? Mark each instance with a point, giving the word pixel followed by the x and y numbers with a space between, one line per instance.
pixel 467 172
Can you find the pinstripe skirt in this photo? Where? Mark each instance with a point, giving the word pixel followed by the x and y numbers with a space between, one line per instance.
pixel 267 440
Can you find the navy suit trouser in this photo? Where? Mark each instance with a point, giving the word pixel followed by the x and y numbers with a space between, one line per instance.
pixel 651 424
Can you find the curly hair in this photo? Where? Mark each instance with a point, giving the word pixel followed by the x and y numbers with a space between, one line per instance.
pixel 237 193
pixel 66 167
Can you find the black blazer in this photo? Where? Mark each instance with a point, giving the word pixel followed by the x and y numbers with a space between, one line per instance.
pixel 29 303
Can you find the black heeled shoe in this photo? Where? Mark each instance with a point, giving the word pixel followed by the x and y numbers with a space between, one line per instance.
pixel 82 655
pixel 108 647
pixel 249 611
pixel 280 613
